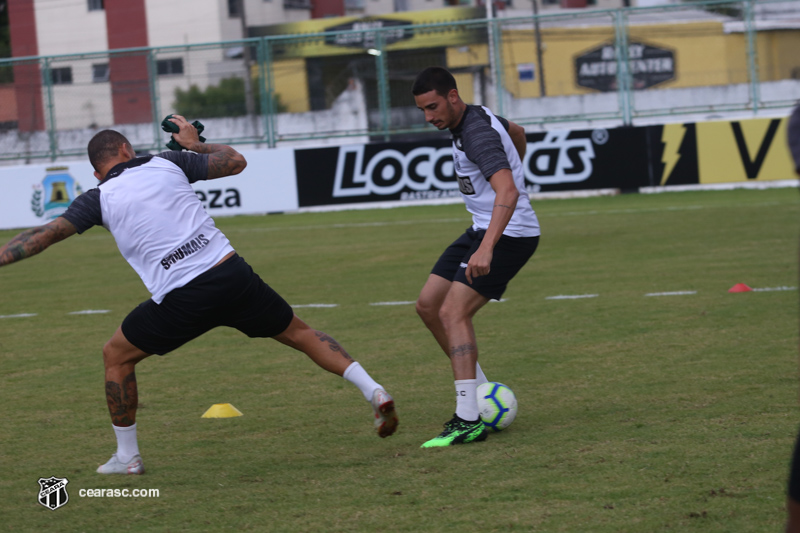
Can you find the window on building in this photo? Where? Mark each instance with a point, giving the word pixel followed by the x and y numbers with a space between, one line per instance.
pixel 297 4
pixel 100 72
pixel 354 4
pixel 61 76
pixel 233 9
pixel 166 67
pixel 96 5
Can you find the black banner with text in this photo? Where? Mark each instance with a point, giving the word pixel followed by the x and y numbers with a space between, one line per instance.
pixel 558 160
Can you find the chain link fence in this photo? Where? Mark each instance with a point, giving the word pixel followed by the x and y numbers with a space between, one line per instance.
pixel 353 85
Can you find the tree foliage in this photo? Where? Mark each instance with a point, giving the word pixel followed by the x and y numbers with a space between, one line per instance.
pixel 224 100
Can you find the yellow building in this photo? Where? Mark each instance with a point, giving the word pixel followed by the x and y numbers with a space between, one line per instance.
pixel 704 55
pixel 682 54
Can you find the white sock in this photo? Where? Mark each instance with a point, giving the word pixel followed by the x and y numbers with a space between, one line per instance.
pixel 356 375
pixel 467 399
pixel 479 375
pixel 127 445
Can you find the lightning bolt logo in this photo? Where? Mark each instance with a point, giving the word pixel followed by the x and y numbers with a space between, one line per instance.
pixel 671 138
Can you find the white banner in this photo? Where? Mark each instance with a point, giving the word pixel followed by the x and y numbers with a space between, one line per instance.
pixel 33 195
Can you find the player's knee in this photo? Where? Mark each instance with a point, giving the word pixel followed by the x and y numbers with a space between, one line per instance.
pixel 111 357
pixel 449 314
pixel 297 335
pixel 426 310
pixel 115 355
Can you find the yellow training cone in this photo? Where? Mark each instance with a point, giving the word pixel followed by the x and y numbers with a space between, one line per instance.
pixel 222 410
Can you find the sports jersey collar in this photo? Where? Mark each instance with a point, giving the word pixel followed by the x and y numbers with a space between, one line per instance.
pixel 457 129
pixel 120 168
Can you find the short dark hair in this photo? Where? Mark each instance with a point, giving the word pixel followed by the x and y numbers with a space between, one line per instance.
pixel 794 137
pixel 434 79
pixel 105 145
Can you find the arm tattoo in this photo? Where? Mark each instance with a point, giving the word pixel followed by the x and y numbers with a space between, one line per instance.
pixel 501 205
pixel 463 350
pixel 122 400
pixel 332 344
pixel 222 160
pixel 31 242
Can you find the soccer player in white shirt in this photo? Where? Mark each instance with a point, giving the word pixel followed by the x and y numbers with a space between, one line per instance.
pixel 196 279
pixel 476 268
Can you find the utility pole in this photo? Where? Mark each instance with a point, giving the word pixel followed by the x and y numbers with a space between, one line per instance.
pixel 538 37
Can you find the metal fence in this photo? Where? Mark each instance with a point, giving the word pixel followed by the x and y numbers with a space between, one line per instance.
pixel 354 85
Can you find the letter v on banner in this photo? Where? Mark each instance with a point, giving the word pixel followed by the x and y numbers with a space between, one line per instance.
pixel 753 166
pixel 744 150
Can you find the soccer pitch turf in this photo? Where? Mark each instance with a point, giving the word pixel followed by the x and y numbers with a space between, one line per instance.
pixel 651 398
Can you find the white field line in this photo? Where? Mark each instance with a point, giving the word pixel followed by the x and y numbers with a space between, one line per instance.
pixel 464 219
pixel 409 302
pixel 673 293
pixel 571 296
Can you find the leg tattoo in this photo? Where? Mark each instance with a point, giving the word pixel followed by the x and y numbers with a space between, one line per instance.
pixel 463 350
pixel 122 400
pixel 332 344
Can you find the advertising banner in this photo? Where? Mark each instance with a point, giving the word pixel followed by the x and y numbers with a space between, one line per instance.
pixel 285 179
pixel 725 152
pixel 557 160
pixel 36 194
pixel 650 65
pixel 554 161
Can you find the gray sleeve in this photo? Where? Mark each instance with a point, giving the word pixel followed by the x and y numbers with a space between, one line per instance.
pixel 195 166
pixel 84 212
pixel 503 121
pixel 483 146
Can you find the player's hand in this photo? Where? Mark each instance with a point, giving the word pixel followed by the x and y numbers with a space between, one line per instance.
pixel 479 264
pixel 188 135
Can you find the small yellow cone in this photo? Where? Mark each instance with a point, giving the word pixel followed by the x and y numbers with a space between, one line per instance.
pixel 222 410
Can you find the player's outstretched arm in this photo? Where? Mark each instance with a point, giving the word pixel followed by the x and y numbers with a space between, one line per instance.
pixel 31 242
pixel 222 159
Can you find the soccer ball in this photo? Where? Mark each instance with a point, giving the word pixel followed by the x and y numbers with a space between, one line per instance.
pixel 497 405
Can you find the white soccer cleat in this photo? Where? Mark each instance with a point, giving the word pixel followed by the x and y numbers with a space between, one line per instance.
pixel 385 415
pixel 115 466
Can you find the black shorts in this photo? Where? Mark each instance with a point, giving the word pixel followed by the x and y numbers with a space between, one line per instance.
pixel 510 255
pixel 793 488
pixel 230 294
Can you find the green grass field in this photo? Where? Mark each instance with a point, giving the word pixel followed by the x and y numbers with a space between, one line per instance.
pixel 670 412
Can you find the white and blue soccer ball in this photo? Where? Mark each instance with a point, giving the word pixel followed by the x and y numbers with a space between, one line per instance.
pixel 497 405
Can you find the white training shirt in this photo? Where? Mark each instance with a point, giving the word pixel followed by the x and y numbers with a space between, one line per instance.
pixel 157 221
pixel 481 147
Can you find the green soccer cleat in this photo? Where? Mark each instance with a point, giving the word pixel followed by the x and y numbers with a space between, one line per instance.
pixel 458 431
